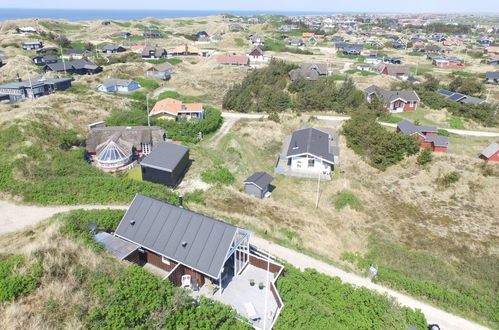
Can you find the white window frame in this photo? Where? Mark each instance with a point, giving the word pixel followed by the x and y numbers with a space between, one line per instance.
pixel 165 260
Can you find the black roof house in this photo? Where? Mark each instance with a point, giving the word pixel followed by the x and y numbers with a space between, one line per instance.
pixel 258 184
pixel 73 67
pixel 165 164
pixel 311 141
pixel 186 237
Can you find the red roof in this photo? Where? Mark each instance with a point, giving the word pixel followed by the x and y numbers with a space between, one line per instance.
pixel 174 107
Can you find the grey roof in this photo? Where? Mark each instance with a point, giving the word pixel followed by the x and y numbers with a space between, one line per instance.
pixel 76 52
pixel 165 156
pixel 109 82
pixel 310 141
pixel 192 239
pixel 409 128
pixel 118 247
pixel 34 82
pixel 491 149
pixel 472 100
pixel 77 65
pixel 260 179
pixel 111 47
pixel 126 137
pixel 309 71
pixel 389 96
pixel 458 97
pixel 438 140
pixel 492 75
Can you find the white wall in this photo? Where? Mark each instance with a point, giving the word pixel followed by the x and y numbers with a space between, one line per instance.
pixel 319 165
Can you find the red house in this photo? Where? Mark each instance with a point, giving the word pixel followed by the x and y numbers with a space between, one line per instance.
pixel 395 101
pixel 427 135
pixel 491 153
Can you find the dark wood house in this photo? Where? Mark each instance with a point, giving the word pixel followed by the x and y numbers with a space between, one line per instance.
pixel 166 164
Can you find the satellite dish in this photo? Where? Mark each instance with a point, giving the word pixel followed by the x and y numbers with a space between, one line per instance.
pixel 92 226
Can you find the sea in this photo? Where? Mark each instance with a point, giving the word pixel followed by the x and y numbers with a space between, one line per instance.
pixel 129 14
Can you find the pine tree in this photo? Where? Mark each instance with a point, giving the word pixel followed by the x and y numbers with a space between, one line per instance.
pixel 425 156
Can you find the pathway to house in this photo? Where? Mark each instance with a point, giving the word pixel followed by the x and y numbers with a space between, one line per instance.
pixel 234 116
pixel 433 315
pixel 14 217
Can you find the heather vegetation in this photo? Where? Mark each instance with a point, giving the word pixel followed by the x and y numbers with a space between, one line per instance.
pixel 464 286
pixel 316 301
pixel 45 165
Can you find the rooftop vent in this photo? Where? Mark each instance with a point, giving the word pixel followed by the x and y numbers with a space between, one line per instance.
pixel 184 243
pixel 132 222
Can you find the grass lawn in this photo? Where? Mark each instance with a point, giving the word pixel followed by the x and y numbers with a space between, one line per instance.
pixel 418 115
pixel 361 72
pixel 421 69
pixel 135 174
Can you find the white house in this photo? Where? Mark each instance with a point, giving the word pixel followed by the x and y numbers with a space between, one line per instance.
pixel 256 55
pixel 309 152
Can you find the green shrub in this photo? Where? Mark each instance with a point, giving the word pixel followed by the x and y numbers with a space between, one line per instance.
pixel 12 284
pixel 381 147
pixel 218 174
pixel 467 285
pixel 197 196
pixel 455 122
pixel 425 156
pixel 76 224
pixel 316 301
pixel 344 198
pixel 446 180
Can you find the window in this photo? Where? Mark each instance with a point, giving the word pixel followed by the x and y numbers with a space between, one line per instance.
pixel 311 162
pixel 146 148
pixel 298 164
pixel 165 260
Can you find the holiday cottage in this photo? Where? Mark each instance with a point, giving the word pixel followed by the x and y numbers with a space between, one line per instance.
pixel 175 110
pixel 395 101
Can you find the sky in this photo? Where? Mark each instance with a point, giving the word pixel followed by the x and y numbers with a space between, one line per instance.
pixel 390 6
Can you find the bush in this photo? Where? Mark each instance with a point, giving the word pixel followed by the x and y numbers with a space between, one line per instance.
pixel 12 284
pixel 218 174
pixel 76 224
pixel 446 180
pixel 316 301
pixel 368 138
pixel 425 156
pixel 467 287
pixel 344 198
pixel 187 130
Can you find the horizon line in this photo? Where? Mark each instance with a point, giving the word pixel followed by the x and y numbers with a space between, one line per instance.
pixel 227 11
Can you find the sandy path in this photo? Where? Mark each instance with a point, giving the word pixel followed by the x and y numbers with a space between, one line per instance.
pixel 14 217
pixel 434 315
pixel 233 116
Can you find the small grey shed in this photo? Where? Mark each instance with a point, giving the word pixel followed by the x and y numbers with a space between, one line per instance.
pixel 258 184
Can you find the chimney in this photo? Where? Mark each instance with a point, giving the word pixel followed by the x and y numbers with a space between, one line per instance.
pixel 180 201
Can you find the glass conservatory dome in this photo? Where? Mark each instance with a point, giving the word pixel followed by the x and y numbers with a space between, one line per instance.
pixel 113 156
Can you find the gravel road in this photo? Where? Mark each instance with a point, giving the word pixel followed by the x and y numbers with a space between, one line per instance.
pixel 14 217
